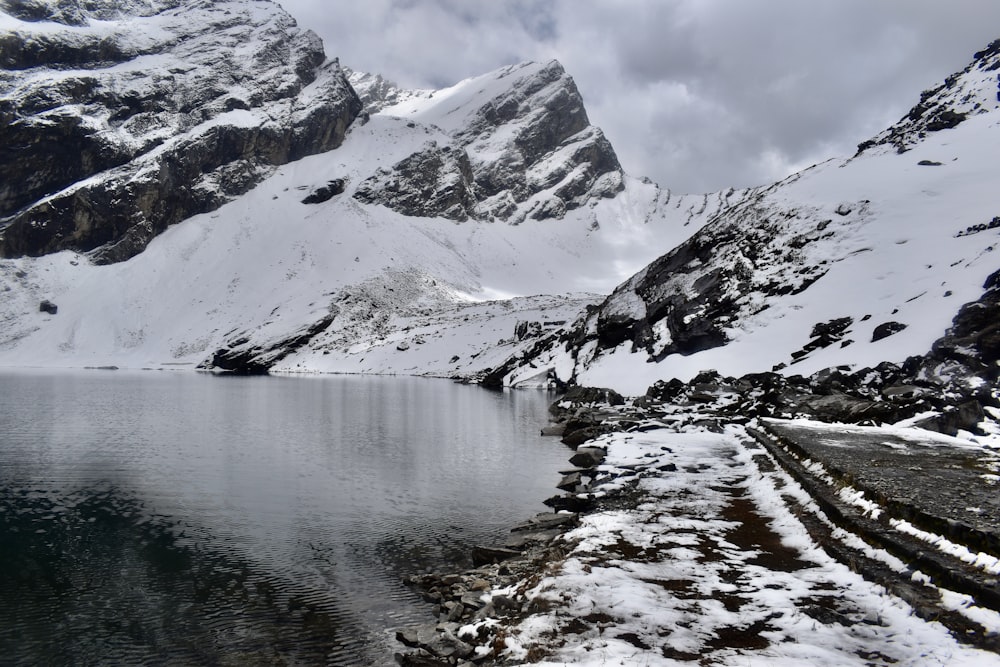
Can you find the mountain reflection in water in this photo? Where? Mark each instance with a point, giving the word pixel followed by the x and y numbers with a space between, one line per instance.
pixel 178 518
pixel 92 577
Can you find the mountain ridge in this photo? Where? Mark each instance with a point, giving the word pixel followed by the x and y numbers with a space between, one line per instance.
pixel 399 250
pixel 321 266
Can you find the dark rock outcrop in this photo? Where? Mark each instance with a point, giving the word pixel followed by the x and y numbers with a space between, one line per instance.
pixel 549 161
pixel 244 357
pixel 947 390
pixel 326 192
pixel 110 152
pixel 887 329
pixel 435 182
pixel 684 302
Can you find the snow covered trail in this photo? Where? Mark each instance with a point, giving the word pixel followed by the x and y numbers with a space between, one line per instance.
pixel 711 566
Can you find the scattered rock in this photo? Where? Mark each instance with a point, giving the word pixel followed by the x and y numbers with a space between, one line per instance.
pixel 483 555
pixel 47 306
pixel 827 333
pixel 570 482
pixel 575 433
pixel 570 503
pixel 523 330
pixel 545 521
pixel 326 192
pixel 588 457
pixel 437 640
pixel 887 329
pixel 964 417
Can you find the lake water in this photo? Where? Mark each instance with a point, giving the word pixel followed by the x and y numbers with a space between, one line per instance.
pixel 178 518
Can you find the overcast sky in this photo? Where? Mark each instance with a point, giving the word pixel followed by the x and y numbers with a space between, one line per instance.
pixel 699 95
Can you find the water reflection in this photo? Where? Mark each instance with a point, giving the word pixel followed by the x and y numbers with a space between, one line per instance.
pixel 93 578
pixel 184 519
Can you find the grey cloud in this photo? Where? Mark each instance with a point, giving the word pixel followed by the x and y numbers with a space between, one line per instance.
pixel 697 94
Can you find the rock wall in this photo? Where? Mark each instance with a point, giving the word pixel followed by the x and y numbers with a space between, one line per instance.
pixel 113 130
pixel 526 152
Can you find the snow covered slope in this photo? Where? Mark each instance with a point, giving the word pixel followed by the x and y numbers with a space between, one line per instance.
pixel 356 259
pixel 851 262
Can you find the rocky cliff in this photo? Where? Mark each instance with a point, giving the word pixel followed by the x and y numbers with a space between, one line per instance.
pixel 518 145
pixel 118 119
pixel 973 91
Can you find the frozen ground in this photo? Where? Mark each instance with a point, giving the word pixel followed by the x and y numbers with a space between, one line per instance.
pixel 709 565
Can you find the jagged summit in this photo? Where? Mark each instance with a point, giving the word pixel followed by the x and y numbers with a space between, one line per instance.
pixel 120 119
pixel 517 144
pixel 376 92
pixel 344 260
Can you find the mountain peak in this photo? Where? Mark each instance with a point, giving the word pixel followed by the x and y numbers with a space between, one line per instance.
pixel 817 270
pixel 974 90
pixel 376 92
pixel 522 144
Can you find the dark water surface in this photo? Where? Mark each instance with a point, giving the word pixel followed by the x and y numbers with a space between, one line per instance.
pixel 186 519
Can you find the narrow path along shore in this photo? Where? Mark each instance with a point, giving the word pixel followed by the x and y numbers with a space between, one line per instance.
pixel 696 546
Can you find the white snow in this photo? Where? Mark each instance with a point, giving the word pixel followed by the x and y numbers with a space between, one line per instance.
pixel 266 265
pixel 902 257
pixel 670 581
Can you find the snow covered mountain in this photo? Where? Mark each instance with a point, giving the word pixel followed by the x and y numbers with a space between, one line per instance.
pixel 233 206
pixel 193 184
pixel 847 264
pixel 120 119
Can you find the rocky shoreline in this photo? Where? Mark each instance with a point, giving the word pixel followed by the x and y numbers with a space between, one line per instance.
pixel 479 610
pixel 945 569
pixel 475 606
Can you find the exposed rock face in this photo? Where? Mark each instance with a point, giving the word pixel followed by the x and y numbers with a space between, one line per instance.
pixel 376 92
pixel 960 96
pixel 971 347
pixel 525 150
pixel 243 356
pixel 133 116
pixel 685 301
pixel 945 390
pixel 436 182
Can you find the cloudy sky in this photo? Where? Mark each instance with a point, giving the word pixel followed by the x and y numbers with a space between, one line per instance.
pixel 699 95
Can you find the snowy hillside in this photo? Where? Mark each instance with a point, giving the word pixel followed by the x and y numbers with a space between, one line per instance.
pixel 849 263
pixel 386 255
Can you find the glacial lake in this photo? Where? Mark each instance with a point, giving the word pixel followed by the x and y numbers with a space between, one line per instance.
pixel 175 518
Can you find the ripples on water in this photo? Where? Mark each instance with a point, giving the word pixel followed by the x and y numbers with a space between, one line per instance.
pixel 187 519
